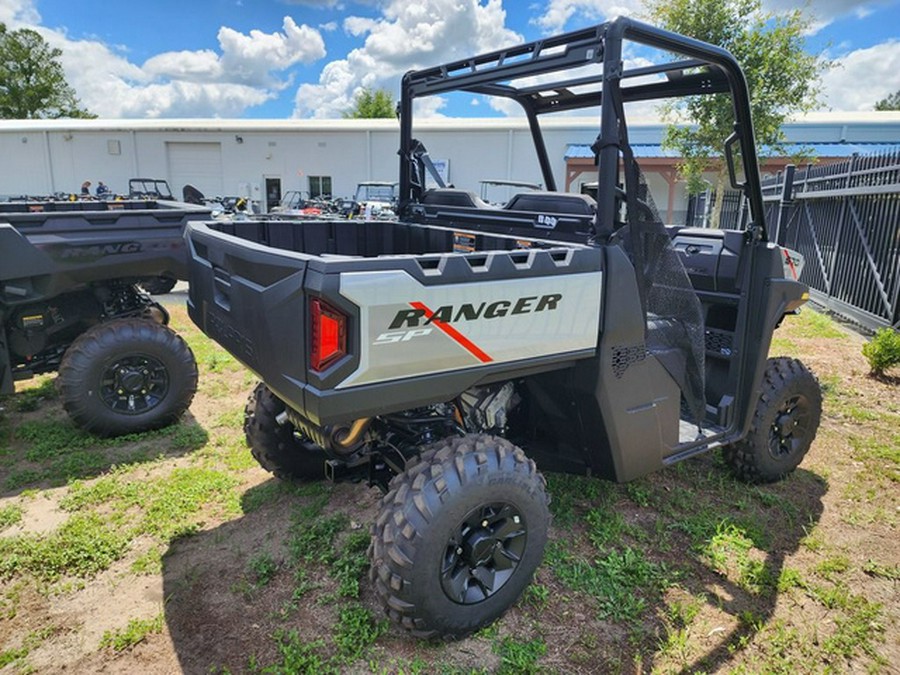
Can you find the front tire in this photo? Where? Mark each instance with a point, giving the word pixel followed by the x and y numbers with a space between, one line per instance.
pixel 276 446
pixel 784 424
pixel 459 536
pixel 126 376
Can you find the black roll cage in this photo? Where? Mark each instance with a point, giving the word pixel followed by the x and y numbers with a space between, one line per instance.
pixel 700 69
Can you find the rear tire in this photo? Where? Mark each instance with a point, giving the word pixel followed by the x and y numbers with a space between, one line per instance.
pixel 276 446
pixel 784 424
pixel 126 376
pixel 459 536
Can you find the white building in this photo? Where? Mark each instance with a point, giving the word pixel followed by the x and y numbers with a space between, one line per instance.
pixel 263 159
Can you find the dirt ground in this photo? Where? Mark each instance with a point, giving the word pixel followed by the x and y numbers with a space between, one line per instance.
pixel 815 589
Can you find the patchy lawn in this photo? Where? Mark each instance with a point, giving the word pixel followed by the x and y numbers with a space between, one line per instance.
pixel 172 551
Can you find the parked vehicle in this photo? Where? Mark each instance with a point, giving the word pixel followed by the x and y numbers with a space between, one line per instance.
pixel 70 302
pixel 445 357
pixel 149 188
pixel 295 203
pixel 375 200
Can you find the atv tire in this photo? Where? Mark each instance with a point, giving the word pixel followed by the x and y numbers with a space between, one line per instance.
pixel 459 536
pixel 158 285
pixel 276 446
pixel 784 424
pixel 126 376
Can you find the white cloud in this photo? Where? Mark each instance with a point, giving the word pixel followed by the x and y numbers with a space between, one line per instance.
pixel 245 59
pixel 246 71
pixel 558 13
pixel 863 77
pixel 14 13
pixel 250 58
pixel 824 12
pixel 409 35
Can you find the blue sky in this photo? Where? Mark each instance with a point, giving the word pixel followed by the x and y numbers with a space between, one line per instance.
pixel 306 58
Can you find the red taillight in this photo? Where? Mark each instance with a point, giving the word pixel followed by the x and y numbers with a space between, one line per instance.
pixel 328 333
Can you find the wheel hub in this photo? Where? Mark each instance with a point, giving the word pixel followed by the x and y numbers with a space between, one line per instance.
pixel 483 553
pixel 480 549
pixel 132 380
pixel 134 384
pixel 789 428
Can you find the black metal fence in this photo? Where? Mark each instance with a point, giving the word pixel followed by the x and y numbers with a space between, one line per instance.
pixel 845 220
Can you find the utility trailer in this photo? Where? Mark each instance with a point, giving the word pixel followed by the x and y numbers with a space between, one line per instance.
pixel 70 302
pixel 446 357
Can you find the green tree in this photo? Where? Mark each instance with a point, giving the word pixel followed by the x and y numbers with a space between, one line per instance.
pixel 783 78
pixel 32 82
pixel 369 104
pixel 891 102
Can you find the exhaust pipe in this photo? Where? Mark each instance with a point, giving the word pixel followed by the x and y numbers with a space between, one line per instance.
pixel 344 440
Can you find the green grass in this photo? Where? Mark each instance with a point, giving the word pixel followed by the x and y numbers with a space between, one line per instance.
pixel 62 452
pixel 261 495
pixel 166 507
pixel 812 324
pixel 17 655
pixel 519 657
pixel 261 568
pixel 148 563
pixel 857 630
pixel 351 564
pixel 313 540
pixel 83 546
pixel 876 569
pixel 297 656
pixel 728 553
pixel 30 399
pixel 356 630
pixel 620 583
pixel 10 515
pixel 134 633
pixel 572 495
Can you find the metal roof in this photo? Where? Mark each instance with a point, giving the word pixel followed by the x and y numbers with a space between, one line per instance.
pixel 582 151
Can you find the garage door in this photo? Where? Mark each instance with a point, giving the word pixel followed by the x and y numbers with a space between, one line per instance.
pixel 197 164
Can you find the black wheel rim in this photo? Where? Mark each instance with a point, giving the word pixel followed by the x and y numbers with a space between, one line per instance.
pixel 134 384
pixel 483 553
pixel 791 428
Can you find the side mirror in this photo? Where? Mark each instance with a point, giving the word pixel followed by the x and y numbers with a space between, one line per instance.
pixel 734 159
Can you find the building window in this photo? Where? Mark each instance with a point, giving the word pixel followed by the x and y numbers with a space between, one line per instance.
pixel 320 186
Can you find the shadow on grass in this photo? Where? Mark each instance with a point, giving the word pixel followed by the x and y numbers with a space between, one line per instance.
pixel 683 530
pixel 231 590
pixel 770 519
pixel 41 447
pixel 673 573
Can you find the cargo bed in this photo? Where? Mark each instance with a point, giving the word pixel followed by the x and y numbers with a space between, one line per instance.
pixel 430 311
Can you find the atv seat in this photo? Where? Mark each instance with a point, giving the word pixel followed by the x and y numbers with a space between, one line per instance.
pixel 553 202
pixel 454 197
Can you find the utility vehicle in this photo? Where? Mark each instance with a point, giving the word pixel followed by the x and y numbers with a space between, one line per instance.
pixel 149 188
pixel 70 302
pixel 446 357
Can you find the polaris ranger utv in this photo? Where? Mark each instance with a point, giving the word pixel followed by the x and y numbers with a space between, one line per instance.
pixel 70 302
pixel 447 356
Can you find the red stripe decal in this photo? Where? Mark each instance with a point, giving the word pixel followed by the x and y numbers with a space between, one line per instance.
pixel 790 262
pixel 458 337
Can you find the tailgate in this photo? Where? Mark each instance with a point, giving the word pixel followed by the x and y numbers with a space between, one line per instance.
pixel 249 299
